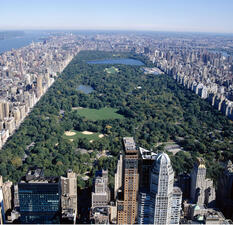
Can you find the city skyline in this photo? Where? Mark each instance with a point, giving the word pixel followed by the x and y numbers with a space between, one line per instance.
pixel 116 112
pixel 181 16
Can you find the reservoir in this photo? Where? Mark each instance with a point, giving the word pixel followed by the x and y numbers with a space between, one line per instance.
pixel 123 61
pixel 85 89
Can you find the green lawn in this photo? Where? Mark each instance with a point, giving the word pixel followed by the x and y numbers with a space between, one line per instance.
pixel 79 134
pixel 99 114
pixel 111 70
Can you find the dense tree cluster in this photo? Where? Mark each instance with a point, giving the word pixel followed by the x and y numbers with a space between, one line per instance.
pixel 159 111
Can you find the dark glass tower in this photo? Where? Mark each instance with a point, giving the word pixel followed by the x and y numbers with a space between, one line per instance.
pixel 39 198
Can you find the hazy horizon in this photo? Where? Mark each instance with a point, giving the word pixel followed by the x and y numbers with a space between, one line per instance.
pixel 120 30
pixel 209 16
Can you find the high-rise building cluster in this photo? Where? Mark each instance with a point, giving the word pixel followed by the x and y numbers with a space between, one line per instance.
pixel 39 199
pixel 208 74
pixel 146 191
pixel 26 74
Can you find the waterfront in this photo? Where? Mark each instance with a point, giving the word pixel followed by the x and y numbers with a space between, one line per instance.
pixel 19 42
pixel 22 61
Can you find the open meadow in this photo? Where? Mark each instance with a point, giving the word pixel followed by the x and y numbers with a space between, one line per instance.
pixel 99 114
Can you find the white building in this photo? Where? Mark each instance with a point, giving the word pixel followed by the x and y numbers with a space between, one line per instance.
pixel 161 189
pixel 118 176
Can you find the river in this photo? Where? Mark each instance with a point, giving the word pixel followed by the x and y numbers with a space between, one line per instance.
pixel 19 42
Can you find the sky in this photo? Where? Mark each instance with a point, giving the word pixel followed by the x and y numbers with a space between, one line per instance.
pixel 157 15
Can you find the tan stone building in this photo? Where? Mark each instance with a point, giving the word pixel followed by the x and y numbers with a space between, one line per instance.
pixel 69 195
pixel 7 194
pixel 127 204
pixel 39 88
pixel 4 109
pixel 10 125
pixel 202 188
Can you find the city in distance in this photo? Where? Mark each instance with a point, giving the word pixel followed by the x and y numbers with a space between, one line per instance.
pixel 114 114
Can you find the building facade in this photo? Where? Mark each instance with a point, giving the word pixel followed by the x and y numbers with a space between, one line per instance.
pixel 225 191
pixel 118 176
pixel 176 205
pixel 69 196
pixel 127 206
pixel 6 196
pixel 101 194
pixel 2 211
pixel 161 189
pixel 39 198
pixel 202 189
pixel 100 208
pixel 144 206
pixel 146 160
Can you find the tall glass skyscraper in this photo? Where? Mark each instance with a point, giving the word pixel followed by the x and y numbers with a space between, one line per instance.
pixel 146 161
pixel 39 198
pixel 161 188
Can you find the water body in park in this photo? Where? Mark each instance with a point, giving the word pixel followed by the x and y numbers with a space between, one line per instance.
pixel 123 61
pixel 85 89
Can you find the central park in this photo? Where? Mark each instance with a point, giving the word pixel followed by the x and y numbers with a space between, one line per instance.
pixel 67 119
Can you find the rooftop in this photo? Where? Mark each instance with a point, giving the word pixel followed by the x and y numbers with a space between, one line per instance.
pixel 163 158
pixel 177 191
pixel 147 154
pixel 200 162
pixel 36 175
pixel 129 143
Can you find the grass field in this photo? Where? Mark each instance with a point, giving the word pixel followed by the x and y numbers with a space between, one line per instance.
pixel 99 114
pixel 79 134
pixel 111 70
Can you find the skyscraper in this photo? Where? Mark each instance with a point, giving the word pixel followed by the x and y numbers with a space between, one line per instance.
pixel 184 184
pixel 202 189
pixel 4 109
pixel 176 205
pixel 2 211
pixel 69 196
pixel 225 191
pixel 39 198
pixel 118 176
pixel 146 161
pixel 127 206
pixel 1 110
pixel 101 194
pixel 39 88
pixel 144 206
pixel 6 189
pixel 2 214
pixel 100 198
pixel 161 188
